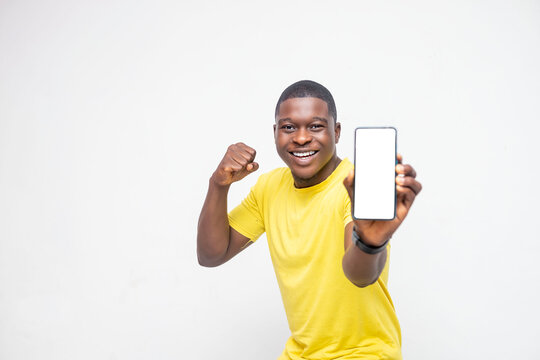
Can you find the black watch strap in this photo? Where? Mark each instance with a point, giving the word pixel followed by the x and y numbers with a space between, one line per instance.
pixel 368 249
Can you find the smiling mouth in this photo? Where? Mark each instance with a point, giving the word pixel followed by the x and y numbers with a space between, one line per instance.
pixel 303 155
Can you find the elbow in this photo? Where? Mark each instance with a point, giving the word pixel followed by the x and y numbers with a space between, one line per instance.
pixel 362 273
pixel 363 283
pixel 360 279
pixel 202 262
pixel 207 260
pixel 207 263
pixel 207 255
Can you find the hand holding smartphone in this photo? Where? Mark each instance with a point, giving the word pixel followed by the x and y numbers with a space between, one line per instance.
pixel 375 150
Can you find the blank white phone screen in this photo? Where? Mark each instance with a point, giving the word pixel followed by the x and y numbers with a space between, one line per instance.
pixel 375 176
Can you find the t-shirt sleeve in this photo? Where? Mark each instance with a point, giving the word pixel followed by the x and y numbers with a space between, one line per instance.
pixel 247 218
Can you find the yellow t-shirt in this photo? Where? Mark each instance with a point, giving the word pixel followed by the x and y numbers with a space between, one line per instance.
pixel 329 317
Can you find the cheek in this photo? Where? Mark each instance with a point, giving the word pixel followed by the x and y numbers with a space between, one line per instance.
pixel 325 138
pixel 281 140
pixel 280 145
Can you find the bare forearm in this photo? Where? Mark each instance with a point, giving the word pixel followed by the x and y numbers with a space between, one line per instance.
pixel 363 269
pixel 213 227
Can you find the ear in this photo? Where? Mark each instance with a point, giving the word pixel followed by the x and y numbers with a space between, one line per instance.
pixel 275 135
pixel 337 131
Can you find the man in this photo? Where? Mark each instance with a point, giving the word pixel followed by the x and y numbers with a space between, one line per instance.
pixel 334 292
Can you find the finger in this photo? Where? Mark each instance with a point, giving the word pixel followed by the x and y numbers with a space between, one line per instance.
pixel 232 166
pixel 399 158
pixel 409 182
pixel 405 170
pixel 241 150
pixel 246 151
pixel 405 195
pixel 244 146
pixel 238 161
pixel 247 154
pixel 241 155
pixel 404 204
pixel 251 167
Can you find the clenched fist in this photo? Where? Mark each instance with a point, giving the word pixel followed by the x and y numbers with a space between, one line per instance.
pixel 235 165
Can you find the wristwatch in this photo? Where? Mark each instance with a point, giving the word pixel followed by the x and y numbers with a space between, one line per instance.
pixel 368 249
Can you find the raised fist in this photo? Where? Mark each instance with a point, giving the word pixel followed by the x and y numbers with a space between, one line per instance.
pixel 235 165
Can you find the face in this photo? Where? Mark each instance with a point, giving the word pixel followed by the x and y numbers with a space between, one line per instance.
pixel 306 139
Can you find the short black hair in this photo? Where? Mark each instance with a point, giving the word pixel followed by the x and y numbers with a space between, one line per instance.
pixel 308 88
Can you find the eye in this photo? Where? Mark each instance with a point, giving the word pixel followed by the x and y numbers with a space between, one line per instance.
pixel 287 127
pixel 317 126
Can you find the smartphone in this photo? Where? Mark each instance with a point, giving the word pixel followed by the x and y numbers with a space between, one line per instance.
pixel 375 159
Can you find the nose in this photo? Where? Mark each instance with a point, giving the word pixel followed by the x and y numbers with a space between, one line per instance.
pixel 302 136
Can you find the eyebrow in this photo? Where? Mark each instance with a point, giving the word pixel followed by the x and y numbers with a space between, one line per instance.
pixel 320 119
pixel 314 118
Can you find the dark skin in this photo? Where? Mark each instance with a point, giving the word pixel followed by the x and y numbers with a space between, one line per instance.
pixel 364 269
pixel 217 242
pixel 303 125
pixel 306 138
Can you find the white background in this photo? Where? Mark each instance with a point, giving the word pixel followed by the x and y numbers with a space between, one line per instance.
pixel 113 115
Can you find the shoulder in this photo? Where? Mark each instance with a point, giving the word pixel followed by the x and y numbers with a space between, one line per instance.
pixel 274 177
pixel 270 183
pixel 342 172
pixel 347 165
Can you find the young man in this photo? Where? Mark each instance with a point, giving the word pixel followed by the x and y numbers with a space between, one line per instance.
pixel 334 291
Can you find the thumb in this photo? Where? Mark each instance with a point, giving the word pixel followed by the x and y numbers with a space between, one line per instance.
pixel 348 183
pixel 252 167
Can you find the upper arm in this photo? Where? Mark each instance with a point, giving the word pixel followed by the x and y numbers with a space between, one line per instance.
pixel 248 218
pixel 237 243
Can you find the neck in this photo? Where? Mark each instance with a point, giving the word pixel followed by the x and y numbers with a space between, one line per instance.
pixel 322 175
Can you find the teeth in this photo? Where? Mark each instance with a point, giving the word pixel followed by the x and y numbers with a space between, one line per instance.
pixel 303 154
